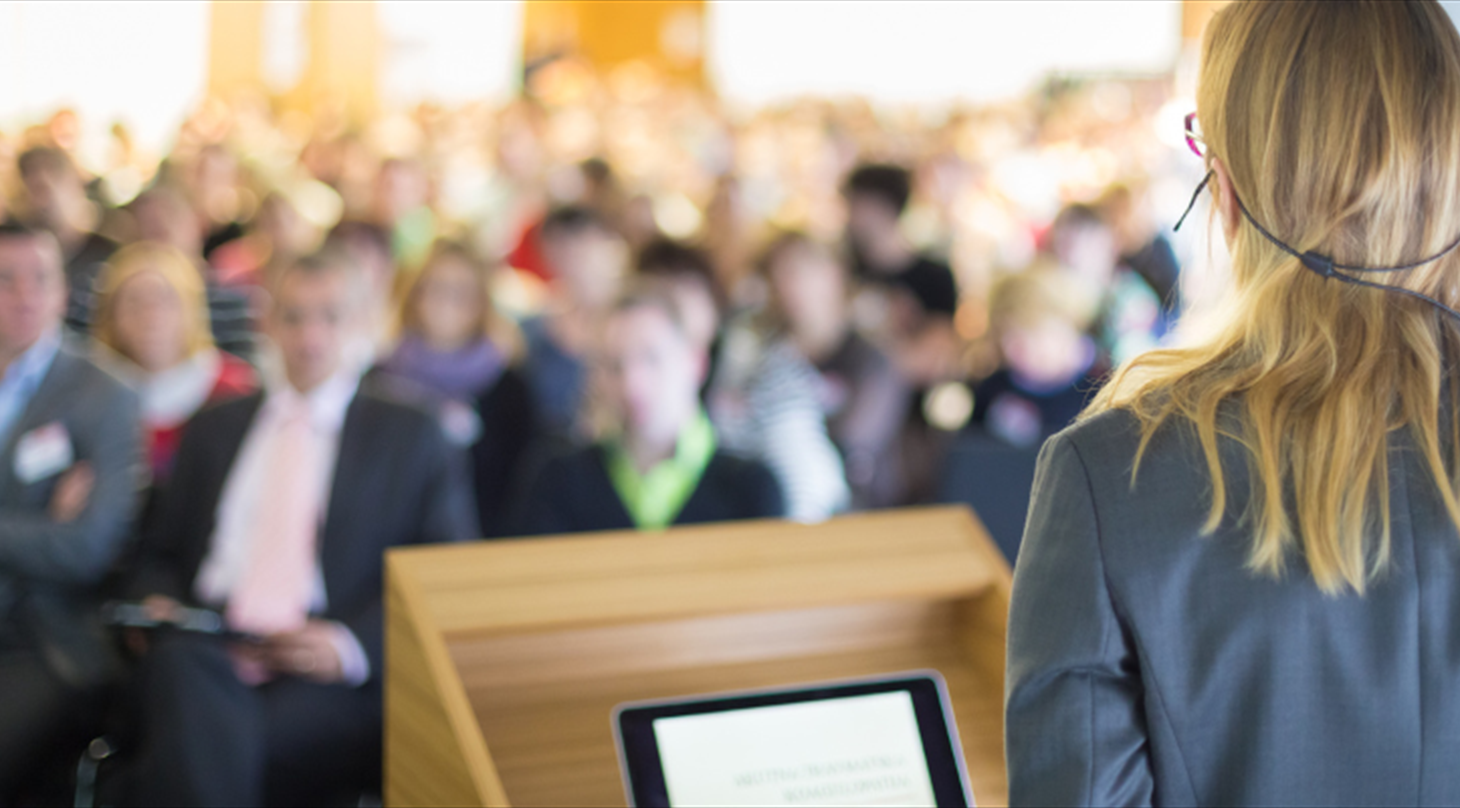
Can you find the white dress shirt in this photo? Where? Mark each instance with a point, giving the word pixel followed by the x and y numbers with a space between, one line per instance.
pixel 238 507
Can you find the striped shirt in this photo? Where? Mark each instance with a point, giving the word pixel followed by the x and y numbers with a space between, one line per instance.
pixel 763 403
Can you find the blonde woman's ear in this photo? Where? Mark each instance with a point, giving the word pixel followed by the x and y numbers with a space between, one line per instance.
pixel 1226 200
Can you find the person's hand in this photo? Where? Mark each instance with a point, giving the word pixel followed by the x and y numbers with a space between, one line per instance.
pixel 72 493
pixel 308 653
pixel 161 607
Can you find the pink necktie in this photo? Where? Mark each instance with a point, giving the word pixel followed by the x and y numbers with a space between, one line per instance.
pixel 272 595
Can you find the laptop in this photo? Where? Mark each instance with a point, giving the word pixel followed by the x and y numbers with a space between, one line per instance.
pixel 883 741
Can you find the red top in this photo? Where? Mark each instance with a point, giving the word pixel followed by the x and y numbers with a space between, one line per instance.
pixel 235 378
pixel 527 255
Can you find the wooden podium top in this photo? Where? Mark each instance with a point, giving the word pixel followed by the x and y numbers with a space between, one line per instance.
pixel 504 658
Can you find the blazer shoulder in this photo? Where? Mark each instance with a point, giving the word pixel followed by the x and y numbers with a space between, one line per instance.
pixel 89 377
pixel 383 385
pixel 732 467
pixel 226 421
pixel 1106 438
pixel 396 410
pixel 512 385
pixel 575 463
pixel 228 410
pixel 750 480
pixel 1108 441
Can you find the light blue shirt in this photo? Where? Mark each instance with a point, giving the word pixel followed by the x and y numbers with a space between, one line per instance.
pixel 23 377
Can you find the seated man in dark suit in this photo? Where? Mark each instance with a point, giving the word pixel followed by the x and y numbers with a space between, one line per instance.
pixel 661 466
pixel 70 457
pixel 278 514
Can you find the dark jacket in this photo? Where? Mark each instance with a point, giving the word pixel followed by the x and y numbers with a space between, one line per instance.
pixel 50 571
pixel 508 429
pixel 573 493
pixel 1147 664
pixel 396 482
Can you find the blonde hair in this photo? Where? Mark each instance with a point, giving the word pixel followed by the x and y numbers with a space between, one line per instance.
pixel 173 267
pixel 1339 124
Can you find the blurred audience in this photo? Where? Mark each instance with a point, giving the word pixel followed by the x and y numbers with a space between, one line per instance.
pixel 729 240
pixel 69 472
pixel 399 207
pixel 1143 248
pixel 472 258
pixel 920 295
pixel 277 237
pixel 588 261
pixel 56 200
pixel 661 462
pixel 863 397
pixel 162 214
pixel 1124 311
pixel 1050 366
pixel 152 312
pixel 281 507
pixel 212 186
pixel 877 196
pixel 369 250
pixel 456 345
pixel 760 391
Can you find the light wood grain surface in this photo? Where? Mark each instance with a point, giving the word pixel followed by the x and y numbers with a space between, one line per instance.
pixel 525 646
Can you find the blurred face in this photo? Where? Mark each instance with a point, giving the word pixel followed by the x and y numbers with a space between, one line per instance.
pixel 399 189
pixel 170 220
pixel 697 309
pixel 638 220
pixel 1045 350
pixel 313 323
pixel 377 264
pixel 651 374
pixel 810 287
pixel 150 322
pixel 589 265
pixel 53 197
pixel 868 216
pixel 287 231
pixel 1089 250
pixel 32 292
pixel 216 172
pixel 449 304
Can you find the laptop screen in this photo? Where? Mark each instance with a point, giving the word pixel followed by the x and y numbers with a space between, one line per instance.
pixel 861 750
pixel 877 742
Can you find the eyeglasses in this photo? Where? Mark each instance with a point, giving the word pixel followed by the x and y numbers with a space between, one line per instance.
pixel 1311 260
pixel 1194 140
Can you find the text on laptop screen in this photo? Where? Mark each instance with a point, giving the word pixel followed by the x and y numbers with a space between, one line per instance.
pixel 861 750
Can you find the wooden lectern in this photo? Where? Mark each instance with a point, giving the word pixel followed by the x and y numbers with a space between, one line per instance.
pixel 504 659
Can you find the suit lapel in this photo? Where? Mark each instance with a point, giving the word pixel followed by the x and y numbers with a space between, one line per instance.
pixel 205 483
pixel 230 439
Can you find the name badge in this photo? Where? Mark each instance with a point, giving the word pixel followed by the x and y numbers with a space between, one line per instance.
pixel 43 452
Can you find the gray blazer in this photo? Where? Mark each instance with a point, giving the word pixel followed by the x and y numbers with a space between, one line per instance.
pixel 1146 665
pixel 48 570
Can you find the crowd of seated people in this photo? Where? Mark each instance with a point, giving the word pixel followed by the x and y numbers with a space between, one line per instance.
pixel 212 405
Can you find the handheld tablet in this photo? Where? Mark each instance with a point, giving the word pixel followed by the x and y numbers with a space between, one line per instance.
pixel 885 741
pixel 201 621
